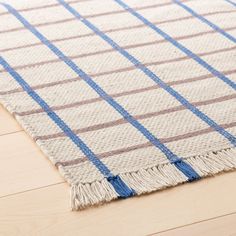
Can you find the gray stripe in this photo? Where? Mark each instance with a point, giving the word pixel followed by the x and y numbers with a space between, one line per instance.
pixel 41 86
pixel 129 68
pixel 119 29
pixel 115 95
pixel 145 145
pixel 65 81
pixel 44 6
pixel 88 16
pixel 129 47
pixel 137 117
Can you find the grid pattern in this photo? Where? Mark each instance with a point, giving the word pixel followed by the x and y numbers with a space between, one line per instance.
pixel 132 97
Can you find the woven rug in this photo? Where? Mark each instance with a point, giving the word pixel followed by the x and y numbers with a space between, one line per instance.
pixel 125 97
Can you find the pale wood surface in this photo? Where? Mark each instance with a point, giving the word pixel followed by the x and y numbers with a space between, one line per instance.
pixel 34 200
pixel 7 123
pixel 213 227
pixel 16 150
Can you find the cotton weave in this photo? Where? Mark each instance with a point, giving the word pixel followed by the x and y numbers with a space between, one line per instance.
pixel 125 97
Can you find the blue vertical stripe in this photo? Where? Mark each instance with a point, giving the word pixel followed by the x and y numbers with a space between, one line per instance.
pixel 121 188
pixel 201 18
pixel 231 2
pixel 168 38
pixel 178 162
pixel 154 77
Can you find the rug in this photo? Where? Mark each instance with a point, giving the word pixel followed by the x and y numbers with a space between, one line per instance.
pixel 125 97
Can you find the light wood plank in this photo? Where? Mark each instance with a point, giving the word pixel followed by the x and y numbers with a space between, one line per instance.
pixel 7 123
pixel 23 166
pixel 225 225
pixel 46 211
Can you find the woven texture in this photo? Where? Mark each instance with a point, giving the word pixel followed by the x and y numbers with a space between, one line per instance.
pixel 124 97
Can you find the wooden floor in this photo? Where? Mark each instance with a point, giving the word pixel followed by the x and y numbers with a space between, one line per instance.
pixel 34 200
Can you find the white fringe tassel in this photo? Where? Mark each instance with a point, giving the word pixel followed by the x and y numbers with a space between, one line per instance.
pixel 148 180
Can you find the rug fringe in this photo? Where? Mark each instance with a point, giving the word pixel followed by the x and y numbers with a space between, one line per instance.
pixel 151 179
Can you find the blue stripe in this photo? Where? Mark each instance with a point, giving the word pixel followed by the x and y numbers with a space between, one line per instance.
pixel 201 18
pixel 121 188
pixel 187 169
pixel 149 73
pixel 231 2
pixel 178 45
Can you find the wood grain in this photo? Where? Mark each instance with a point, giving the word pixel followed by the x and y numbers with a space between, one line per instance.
pixel 23 166
pixel 222 226
pixel 46 211
pixel 7 123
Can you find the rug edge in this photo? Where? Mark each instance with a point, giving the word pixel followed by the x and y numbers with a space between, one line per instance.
pixel 142 181
pixel 158 177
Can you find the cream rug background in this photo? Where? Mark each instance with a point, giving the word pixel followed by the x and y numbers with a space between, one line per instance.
pixel 124 97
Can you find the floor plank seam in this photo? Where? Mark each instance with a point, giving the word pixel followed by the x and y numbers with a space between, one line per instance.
pixel 18 131
pixel 29 190
pixel 194 223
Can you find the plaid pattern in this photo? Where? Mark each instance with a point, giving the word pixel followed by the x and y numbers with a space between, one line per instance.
pixel 146 91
